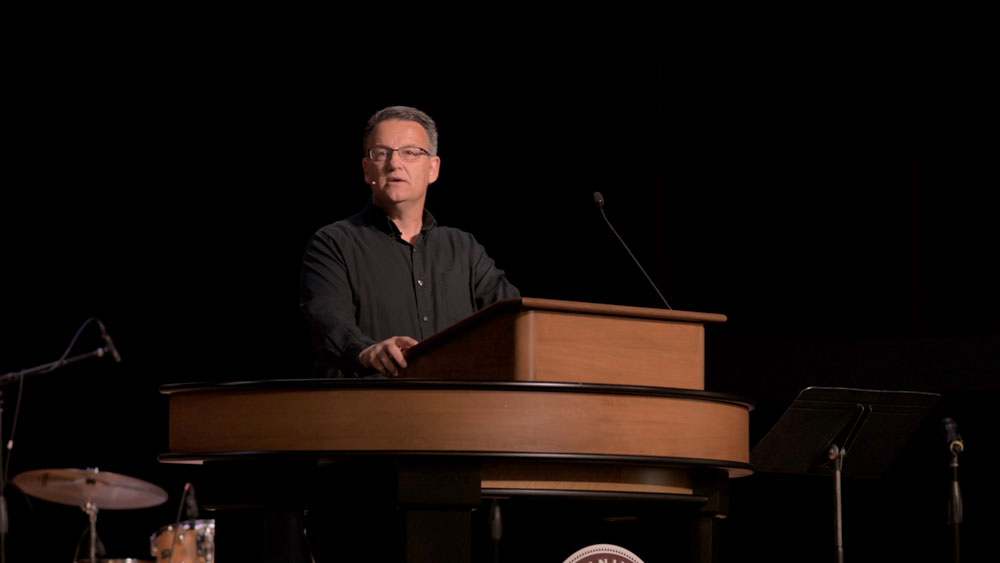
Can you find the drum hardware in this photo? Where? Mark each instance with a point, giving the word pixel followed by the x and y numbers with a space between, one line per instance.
pixel 6 378
pixel 185 541
pixel 91 490
pixel 190 541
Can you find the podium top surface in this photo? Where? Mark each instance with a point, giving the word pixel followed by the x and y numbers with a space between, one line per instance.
pixel 534 303
pixel 528 304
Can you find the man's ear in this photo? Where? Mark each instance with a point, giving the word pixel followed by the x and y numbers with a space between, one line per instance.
pixel 364 166
pixel 435 169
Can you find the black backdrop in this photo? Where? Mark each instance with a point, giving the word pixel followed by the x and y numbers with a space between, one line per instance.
pixel 827 180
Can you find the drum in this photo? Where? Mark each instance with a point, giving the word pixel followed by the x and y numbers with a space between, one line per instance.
pixel 193 542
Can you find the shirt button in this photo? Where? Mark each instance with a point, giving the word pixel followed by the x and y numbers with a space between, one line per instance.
pixel 426 319
pixel 420 283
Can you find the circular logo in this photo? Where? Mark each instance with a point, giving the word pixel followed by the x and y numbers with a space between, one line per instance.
pixel 603 553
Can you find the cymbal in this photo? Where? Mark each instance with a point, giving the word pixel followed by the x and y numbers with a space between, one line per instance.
pixel 77 487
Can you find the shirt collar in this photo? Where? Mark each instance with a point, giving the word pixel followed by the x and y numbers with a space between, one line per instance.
pixel 374 215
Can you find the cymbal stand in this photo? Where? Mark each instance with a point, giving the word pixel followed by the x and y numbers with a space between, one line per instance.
pixel 91 509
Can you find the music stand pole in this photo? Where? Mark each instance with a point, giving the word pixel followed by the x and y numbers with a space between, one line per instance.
pixel 836 453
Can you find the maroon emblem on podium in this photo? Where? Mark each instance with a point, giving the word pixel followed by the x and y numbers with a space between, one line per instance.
pixel 603 553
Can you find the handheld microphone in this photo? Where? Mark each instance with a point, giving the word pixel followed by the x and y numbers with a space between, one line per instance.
pixel 110 343
pixel 955 444
pixel 599 202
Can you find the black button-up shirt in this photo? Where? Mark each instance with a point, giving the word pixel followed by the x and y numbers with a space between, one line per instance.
pixel 363 283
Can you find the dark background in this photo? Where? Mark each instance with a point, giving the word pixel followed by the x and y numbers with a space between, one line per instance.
pixel 826 180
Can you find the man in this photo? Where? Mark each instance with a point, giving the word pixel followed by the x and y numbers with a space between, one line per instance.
pixel 374 285
pixel 377 283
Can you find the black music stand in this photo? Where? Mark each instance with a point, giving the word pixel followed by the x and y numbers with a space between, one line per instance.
pixel 824 424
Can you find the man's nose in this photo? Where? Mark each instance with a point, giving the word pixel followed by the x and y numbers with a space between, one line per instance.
pixel 394 159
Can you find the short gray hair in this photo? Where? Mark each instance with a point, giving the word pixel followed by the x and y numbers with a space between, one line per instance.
pixel 404 113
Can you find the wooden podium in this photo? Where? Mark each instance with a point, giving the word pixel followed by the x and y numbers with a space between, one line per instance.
pixel 527 397
pixel 563 341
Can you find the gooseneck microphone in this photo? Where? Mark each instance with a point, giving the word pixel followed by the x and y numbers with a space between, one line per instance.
pixel 599 202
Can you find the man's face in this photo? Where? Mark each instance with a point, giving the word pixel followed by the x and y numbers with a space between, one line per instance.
pixel 394 181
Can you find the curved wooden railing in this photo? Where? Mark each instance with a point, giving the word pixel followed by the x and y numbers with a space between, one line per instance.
pixel 527 435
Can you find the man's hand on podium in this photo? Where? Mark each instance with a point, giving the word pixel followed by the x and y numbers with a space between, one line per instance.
pixel 386 357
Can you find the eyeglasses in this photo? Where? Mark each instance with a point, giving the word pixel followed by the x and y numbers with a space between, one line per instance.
pixel 408 154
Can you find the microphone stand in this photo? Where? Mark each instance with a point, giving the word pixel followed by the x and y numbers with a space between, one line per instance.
pixel 955 504
pixel 4 380
pixel 52 366
pixel 4 518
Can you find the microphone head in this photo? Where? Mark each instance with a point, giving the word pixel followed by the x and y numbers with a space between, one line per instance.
pixel 950 429
pixel 598 199
pixel 191 505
